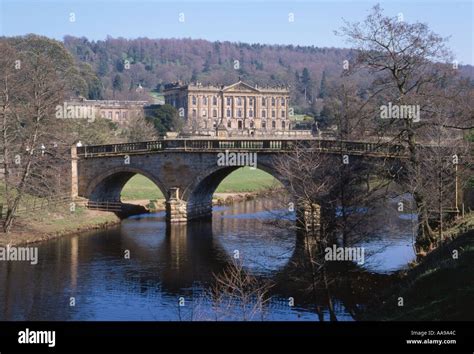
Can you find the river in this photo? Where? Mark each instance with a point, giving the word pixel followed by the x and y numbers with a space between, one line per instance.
pixel 144 270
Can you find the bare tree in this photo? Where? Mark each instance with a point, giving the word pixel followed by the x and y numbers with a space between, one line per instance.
pixel 137 128
pixel 408 64
pixel 334 204
pixel 238 294
pixel 32 137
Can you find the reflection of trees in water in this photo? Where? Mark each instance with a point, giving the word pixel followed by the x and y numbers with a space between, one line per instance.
pixel 31 291
pixel 327 287
pixel 332 288
pixel 326 284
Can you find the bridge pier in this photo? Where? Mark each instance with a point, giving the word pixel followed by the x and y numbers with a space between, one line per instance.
pixel 176 208
pixel 181 211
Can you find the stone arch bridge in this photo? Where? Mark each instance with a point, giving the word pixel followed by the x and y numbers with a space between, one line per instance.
pixel 187 171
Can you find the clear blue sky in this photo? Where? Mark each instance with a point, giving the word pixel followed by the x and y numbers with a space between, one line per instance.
pixel 257 21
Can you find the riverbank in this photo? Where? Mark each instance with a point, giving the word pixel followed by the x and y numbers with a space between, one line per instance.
pixel 43 226
pixel 155 205
pixel 439 288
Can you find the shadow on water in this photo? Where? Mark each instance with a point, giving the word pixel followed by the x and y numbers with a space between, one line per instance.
pixel 140 269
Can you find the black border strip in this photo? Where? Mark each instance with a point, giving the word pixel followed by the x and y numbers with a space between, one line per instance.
pixel 218 337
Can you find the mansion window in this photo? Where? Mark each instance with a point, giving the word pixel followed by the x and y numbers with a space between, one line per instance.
pixel 214 101
pixel 229 124
pixel 264 101
pixel 251 124
pixel 194 113
pixel 110 114
pixel 204 113
pixel 117 115
pixel 282 101
pixel 239 101
pixel 250 100
pixel 283 114
pixel 273 114
pixel 228 113
pixel 264 114
pixel 273 101
pixel 274 124
pixel 214 124
pixel 124 114
pixel 193 98
pixel 239 124
pixel 251 114
pixel 204 100
pixel 283 125
pixel 214 113
pixel 264 124
pixel 239 113
pixel 229 101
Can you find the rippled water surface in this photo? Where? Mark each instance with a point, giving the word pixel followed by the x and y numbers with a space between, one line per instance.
pixel 173 263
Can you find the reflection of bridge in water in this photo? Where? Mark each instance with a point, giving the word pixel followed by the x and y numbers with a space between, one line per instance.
pixel 195 253
pixel 190 255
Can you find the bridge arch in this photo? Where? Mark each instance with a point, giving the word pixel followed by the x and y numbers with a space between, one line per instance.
pixel 199 199
pixel 107 186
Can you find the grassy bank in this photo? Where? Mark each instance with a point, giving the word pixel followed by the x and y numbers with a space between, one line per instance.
pixel 241 180
pixel 440 287
pixel 49 224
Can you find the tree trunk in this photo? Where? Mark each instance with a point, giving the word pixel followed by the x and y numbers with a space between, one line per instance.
pixel 16 202
pixel 424 239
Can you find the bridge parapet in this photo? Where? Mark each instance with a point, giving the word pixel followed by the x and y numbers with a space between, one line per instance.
pixel 263 145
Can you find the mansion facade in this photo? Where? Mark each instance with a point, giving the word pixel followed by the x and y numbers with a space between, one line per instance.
pixel 234 110
pixel 115 110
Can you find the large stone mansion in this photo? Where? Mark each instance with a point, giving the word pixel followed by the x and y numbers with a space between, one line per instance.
pixel 234 110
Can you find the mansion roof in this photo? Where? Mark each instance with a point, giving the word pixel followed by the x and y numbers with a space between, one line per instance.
pixel 105 103
pixel 239 86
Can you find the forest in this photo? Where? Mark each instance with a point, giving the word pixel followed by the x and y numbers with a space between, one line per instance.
pixel 134 68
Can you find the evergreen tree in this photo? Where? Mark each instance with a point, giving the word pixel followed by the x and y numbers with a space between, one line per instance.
pixel 117 84
pixel 323 88
pixel 165 118
pixel 306 81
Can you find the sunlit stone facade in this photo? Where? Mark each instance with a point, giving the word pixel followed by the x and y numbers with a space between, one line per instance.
pixel 237 109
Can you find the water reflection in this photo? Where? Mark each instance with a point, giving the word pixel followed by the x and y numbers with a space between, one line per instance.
pixel 179 261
